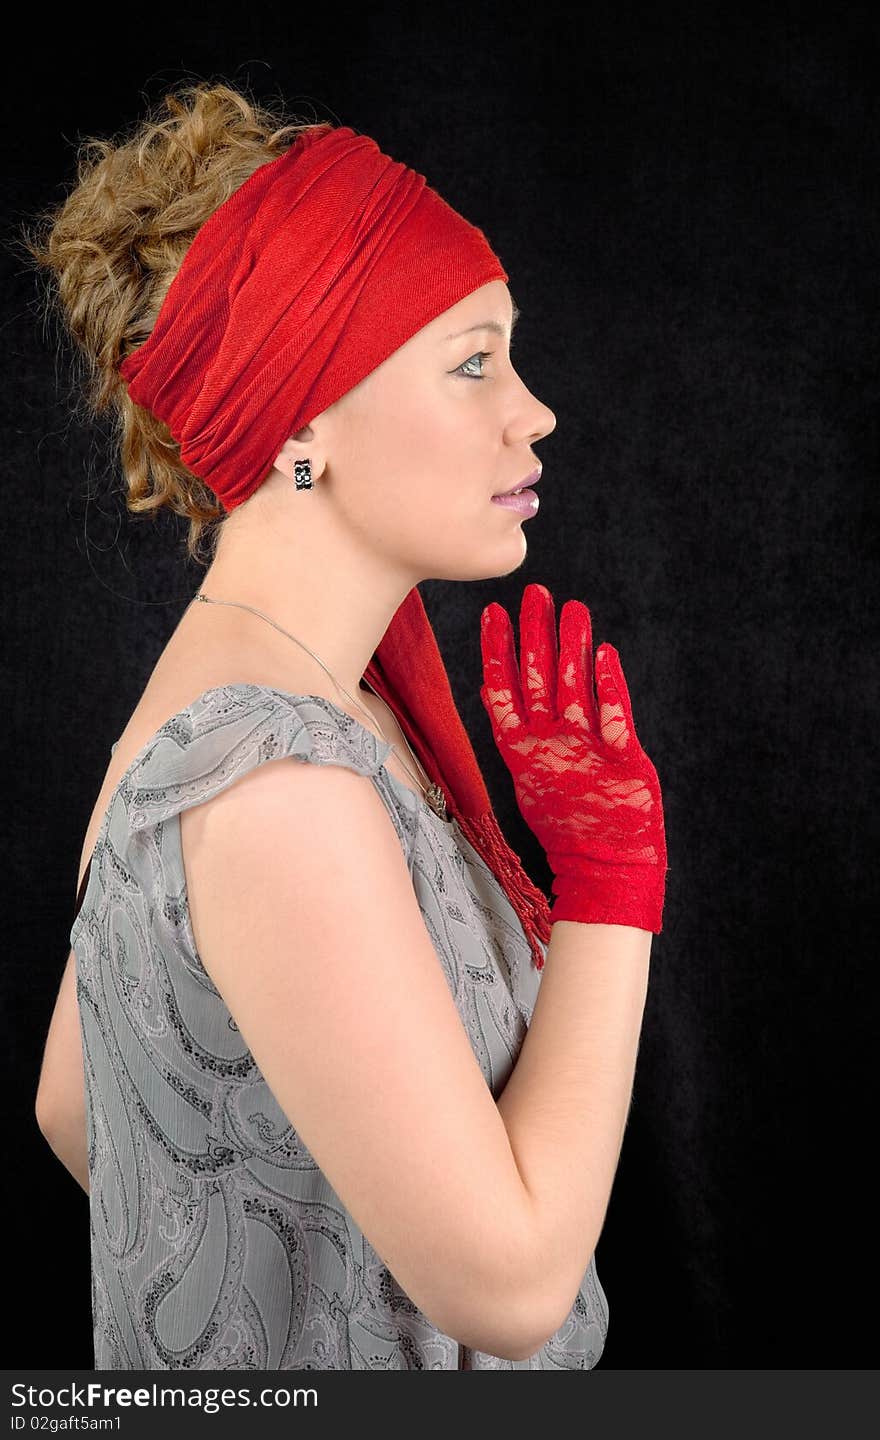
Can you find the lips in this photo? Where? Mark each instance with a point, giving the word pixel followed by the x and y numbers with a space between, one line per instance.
pixel 527 483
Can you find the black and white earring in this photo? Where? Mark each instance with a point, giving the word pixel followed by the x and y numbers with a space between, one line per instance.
pixel 302 474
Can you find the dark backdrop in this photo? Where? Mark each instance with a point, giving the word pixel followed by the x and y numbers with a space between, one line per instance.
pixel 685 199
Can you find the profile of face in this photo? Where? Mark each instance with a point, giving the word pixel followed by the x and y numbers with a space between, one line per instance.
pixel 410 458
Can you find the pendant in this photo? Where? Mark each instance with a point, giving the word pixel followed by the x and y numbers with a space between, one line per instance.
pixel 437 801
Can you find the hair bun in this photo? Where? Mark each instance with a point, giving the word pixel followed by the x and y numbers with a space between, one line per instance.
pixel 111 248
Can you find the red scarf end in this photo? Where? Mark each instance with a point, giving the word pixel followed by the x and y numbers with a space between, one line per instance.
pixel 530 903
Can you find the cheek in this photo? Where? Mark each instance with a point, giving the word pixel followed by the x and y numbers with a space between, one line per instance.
pixel 424 459
pixel 420 453
pixel 432 422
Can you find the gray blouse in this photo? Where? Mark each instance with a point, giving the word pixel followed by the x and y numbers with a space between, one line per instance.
pixel 216 1241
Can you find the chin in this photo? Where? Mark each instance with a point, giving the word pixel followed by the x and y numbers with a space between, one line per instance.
pixel 492 562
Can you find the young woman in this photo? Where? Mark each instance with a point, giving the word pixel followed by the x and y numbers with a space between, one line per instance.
pixel 344 1091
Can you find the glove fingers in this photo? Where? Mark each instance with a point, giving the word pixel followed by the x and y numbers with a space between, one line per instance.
pixel 500 692
pixel 574 697
pixel 615 707
pixel 538 655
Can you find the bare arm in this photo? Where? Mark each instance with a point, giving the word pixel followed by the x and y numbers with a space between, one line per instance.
pixel 71 1148
pixel 486 1213
pixel 566 1101
pixel 306 919
pixel 60 1103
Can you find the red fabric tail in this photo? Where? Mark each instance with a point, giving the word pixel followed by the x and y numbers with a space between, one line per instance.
pixel 408 672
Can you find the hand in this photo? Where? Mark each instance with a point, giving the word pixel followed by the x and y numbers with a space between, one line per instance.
pixel 583 783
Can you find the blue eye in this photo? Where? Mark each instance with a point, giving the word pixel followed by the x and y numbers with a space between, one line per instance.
pixel 467 375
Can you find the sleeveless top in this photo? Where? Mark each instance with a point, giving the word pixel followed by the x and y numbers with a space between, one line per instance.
pixel 216 1241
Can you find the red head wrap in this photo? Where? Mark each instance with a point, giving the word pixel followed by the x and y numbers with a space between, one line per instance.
pixel 315 270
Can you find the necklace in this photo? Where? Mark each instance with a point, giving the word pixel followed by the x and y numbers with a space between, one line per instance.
pixel 434 796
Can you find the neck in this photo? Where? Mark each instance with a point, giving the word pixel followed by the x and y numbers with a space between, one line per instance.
pixel 333 601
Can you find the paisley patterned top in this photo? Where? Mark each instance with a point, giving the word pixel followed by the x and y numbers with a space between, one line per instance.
pixel 216 1241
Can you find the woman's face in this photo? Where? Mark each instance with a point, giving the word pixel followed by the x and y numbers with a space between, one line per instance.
pixel 417 449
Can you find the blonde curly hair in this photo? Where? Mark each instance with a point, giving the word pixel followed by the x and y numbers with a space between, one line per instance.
pixel 112 247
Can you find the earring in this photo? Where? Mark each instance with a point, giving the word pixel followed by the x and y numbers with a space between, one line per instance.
pixel 302 474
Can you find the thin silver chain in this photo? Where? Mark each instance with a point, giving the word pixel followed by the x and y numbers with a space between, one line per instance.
pixel 430 788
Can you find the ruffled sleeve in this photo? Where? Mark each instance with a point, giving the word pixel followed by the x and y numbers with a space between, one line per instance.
pixel 229 730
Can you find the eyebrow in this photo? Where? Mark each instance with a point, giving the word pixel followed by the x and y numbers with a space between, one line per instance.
pixel 493 325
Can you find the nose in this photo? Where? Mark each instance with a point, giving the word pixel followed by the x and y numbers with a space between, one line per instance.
pixel 550 423
pixel 542 418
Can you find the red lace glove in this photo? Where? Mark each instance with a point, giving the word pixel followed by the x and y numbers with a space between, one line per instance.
pixel 583 783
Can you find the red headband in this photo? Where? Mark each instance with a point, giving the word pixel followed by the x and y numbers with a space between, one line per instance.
pixel 315 270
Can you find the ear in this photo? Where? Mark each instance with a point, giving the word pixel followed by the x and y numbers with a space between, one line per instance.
pixel 303 445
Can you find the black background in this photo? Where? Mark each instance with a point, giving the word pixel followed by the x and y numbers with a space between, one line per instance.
pixel 685 198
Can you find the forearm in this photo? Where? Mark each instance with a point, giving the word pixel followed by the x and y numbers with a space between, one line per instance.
pixel 566 1102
